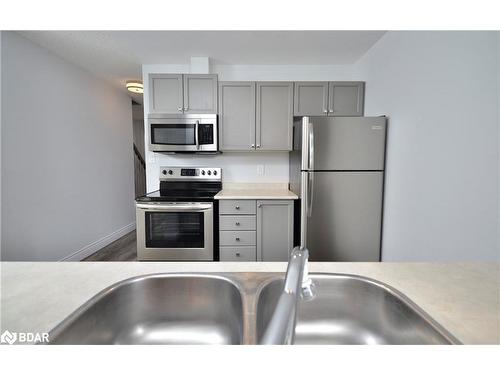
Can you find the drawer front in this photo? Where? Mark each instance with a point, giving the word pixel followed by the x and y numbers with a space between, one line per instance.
pixel 238 254
pixel 237 222
pixel 235 207
pixel 237 238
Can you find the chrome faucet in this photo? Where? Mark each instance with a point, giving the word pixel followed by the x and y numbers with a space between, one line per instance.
pixel 281 328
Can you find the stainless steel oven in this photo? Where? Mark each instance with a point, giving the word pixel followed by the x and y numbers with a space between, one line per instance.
pixel 175 231
pixel 179 221
pixel 183 133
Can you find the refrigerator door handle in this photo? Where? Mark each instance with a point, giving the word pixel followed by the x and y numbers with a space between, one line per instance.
pixel 310 185
pixel 310 195
pixel 311 146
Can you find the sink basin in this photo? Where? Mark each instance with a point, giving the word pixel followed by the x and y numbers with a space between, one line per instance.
pixel 158 309
pixel 354 310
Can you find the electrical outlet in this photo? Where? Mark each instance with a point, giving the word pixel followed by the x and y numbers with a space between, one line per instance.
pixel 260 170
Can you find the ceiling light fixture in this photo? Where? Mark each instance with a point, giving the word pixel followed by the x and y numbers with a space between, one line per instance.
pixel 135 86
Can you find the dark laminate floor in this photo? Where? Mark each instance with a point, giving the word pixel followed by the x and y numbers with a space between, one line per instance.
pixel 122 250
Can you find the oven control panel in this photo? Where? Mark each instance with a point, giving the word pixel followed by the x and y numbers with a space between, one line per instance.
pixel 190 173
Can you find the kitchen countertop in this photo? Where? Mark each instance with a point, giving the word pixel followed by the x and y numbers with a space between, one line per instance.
pixel 255 191
pixel 463 297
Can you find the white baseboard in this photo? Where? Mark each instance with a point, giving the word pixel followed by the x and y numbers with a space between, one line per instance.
pixel 99 244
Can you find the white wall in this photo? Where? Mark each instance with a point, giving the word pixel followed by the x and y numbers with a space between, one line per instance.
pixel 67 161
pixel 440 92
pixel 240 167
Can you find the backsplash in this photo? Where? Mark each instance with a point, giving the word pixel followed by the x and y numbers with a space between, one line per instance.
pixel 238 167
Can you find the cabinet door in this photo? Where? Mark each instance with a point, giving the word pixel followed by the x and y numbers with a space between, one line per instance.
pixel 274 121
pixel 310 99
pixel 165 93
pixel 274 230
pixel 346 98
pixel 237 116
pixel 200 93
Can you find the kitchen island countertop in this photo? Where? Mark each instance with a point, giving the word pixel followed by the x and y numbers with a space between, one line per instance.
pixel 463 297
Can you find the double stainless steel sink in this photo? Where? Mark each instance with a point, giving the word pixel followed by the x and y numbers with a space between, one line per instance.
pixel 235 308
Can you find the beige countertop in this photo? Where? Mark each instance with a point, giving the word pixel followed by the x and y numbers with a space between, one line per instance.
pixel 255 191
pixel 463 297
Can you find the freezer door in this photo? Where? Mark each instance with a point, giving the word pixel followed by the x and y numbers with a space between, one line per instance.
pixel 349 143
pixel 346 220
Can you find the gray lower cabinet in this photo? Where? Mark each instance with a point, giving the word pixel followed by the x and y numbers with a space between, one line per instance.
pixel 238 254
pixel 274 116
pixel 237 116
pixel 346 98
pixel 261 230
pixel 274 230
pixel 182 93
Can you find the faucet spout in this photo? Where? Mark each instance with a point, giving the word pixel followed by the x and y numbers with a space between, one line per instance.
pixel 281 328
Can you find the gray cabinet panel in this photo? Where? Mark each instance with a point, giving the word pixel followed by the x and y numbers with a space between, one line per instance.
pixel 274 230
pixel 310 99
pixel 346 217
pixel 237 222
pixel 200 93
pixel 274 116
pixel 237 237
pixel 346 98
pixel 237 207
pixel 238 254
pixel 237 116
pixel 165 93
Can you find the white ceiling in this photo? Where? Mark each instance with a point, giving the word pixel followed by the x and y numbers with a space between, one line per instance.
pixel 118 55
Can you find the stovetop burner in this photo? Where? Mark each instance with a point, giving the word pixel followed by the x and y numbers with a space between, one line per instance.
pixel 186 184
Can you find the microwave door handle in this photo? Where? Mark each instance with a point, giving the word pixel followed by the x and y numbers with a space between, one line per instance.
pixel 196 139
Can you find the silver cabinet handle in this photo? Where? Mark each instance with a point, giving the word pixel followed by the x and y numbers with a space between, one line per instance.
pixel 237 223
pixel 237 238
pixel 325 111
pixel 252 145
pixel 258 146
pixel 179 109
pixel 186 108
pixel 237 207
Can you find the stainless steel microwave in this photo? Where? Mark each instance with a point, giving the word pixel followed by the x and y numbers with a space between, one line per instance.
pixel 183 133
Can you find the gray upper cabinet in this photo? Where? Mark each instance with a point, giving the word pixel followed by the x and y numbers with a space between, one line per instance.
pixel 165 93
pixel 346 98
pixel 274 230
pixel 182 93
pixel 274 116
pixel 237 116
pixel 310 99
pixel 200 93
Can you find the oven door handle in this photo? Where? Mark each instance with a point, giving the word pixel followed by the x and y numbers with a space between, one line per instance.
pixel 175 207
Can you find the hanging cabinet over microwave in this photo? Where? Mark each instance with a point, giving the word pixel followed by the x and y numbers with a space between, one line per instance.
pixel 182 93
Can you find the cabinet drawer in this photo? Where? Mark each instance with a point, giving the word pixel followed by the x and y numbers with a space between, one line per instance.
pixel 238 254
pixel 237 238
pixel 245 207
pixel 237 222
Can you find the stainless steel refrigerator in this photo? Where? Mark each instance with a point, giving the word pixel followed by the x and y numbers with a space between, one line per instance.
pixel 337 168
